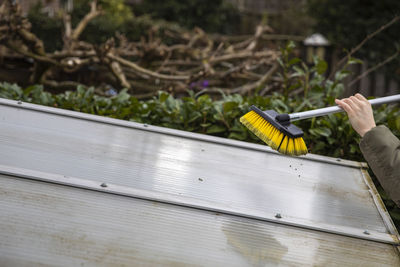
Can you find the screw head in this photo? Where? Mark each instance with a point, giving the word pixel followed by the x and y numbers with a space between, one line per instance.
pixel 366 232
pixel 19 102
pixel 278 216
pixel 103 185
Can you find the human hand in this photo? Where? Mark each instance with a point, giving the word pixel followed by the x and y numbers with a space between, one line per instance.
pixel 359 111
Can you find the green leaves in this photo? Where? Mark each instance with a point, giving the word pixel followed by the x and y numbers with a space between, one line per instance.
pixel 215 129
pixel 11 91
pixel 323 131
pixel 321 66
pixel 229 106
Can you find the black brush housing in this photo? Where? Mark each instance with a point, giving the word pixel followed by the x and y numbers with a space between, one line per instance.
pixel 283 124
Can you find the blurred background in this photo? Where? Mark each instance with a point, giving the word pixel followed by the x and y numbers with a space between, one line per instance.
pixel 197 65
pixel 327 28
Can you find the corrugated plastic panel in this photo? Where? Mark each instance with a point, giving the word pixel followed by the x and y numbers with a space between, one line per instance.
pixel 55 225
pixel 300 188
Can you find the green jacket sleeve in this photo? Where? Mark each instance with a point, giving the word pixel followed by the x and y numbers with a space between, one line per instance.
pixel 381 149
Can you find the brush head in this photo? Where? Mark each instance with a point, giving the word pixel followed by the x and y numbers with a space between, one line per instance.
pixel 280 121
pixel 275 130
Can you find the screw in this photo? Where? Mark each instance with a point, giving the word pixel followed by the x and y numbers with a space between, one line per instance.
pixel 19 102
pixel 201 180
pixel 103 185
pixel 145 125
pixel 278 216
pixel 366 232
pixel 202 149
pixel 338 160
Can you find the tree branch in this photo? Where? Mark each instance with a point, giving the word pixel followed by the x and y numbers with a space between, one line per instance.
pixel 119 74
pixel 374 68
pixel 146 71
pixel 19 49
pixel 248 87
pixel 355 49
pixel 94 12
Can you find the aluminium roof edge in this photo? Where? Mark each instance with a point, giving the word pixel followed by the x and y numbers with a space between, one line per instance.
pixel 379 204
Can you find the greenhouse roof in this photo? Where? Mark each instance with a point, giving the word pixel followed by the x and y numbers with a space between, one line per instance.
pixel 79 189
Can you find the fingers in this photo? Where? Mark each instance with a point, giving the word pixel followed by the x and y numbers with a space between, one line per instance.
pixel 356 99
pixel 342 103
pixel 361 97
pixel 352 104
pixel 355 103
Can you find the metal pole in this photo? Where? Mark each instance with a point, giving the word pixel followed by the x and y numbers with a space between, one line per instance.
pixel 336 109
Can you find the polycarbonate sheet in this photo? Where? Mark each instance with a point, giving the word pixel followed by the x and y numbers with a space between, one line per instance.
pixel 44 224
pixel 312 191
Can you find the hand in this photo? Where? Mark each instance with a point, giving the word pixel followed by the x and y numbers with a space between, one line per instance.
pixel 360 113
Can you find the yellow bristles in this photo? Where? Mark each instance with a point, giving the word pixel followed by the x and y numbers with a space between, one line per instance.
pixel 272 136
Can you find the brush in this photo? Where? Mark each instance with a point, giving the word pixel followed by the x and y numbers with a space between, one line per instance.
pixel 277 131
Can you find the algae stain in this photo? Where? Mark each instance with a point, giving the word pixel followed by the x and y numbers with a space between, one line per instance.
pixel 258 247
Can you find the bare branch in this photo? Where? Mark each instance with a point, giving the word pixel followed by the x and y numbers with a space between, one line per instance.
pixel 374 68
pixel 146 71
pixel 94 12
pixel 117 71
pixel 33 41
pixel 264 79
pixel 19 48
pixel 358 47
pixel 67 25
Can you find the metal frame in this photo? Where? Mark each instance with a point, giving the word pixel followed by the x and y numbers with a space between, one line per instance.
pixel 379 204
pixel 392 238
pixel 183 134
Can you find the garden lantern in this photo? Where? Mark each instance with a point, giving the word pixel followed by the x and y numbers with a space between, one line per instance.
pixel 315 46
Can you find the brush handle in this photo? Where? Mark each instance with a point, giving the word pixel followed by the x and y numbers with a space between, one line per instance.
pixel 335 109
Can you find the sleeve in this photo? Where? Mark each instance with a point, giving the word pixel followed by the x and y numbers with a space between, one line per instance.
pixel 381 149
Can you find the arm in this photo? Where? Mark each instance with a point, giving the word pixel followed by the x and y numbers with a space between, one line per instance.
pixel 380 147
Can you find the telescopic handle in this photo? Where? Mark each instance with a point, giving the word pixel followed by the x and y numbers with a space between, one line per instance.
pixel 335 109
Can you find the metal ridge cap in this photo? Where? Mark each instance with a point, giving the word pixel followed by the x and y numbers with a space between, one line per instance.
pixel 195 203
pixel 173 132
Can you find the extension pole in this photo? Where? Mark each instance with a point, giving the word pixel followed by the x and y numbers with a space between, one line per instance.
pixel 335 109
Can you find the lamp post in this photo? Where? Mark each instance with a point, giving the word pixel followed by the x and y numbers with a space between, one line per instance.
pixel 316 45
